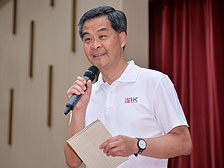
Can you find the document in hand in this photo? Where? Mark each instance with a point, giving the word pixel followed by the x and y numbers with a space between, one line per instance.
pixel 86 144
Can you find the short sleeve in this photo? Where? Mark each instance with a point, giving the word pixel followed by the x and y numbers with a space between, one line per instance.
pixel 167 107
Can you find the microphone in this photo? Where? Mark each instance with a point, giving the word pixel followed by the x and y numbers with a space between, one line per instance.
pixel 90 74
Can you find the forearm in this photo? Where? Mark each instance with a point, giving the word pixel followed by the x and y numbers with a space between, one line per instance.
pixel 177 142
pixel 76 125
pixel 170 145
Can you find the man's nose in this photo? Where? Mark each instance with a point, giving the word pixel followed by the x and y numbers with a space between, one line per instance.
pixel 96 44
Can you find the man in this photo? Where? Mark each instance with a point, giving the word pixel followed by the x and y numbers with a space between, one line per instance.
pixel 138 106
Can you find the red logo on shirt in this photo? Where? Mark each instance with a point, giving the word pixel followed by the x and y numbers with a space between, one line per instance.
pixel 131 100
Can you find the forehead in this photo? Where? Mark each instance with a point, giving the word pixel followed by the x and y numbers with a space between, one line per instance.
pixel 95 24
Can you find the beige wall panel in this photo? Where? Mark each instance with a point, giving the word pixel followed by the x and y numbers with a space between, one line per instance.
pixel 34 144
pixel 137 45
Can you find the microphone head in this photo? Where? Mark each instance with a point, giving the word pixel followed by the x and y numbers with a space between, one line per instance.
pixel 91 72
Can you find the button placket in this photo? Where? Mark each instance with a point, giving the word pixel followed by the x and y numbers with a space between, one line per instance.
pixel 108 99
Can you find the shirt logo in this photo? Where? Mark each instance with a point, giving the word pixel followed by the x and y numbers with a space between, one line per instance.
pixel 131 100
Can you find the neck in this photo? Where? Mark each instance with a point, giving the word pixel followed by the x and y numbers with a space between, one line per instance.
pixel 114 73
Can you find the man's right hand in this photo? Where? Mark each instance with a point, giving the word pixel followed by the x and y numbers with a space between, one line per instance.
pixel 78 88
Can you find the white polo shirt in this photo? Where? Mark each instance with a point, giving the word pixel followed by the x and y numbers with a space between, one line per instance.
pixel 141 103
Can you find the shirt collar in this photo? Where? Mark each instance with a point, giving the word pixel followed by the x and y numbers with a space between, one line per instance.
pixel 129 75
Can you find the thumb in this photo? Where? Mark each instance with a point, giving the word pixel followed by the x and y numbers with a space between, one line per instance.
pixel 89 87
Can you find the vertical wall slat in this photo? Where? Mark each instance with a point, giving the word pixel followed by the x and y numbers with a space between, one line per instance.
pixel 73 25
pixel 14 16
pixel 11 99
pixel 31 48
pixel 52 3
pixel 50 83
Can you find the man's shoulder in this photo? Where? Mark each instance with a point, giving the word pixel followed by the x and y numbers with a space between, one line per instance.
pixel 151 74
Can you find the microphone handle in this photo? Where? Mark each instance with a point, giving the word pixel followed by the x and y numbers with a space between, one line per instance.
pixel 72 103
pixel 73 100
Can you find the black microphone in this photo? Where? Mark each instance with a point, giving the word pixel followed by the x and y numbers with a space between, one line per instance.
pixel 90 74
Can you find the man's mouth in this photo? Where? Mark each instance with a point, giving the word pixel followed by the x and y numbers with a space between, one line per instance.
pixel 99 54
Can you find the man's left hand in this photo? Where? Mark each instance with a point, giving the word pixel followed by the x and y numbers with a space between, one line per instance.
pixel 119 146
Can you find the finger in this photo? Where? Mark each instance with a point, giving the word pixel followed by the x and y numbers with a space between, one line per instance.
pixel 76 89
pixel 81 79
pixel 102 146
pixel 116 138
pixel 70 92
pixel 110 144
pixel 115 152
pixel 89 87
pixel 81 84
pixel 119 153
pixel 111 148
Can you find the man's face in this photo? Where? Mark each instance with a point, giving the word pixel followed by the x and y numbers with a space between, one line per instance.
pixel 103 46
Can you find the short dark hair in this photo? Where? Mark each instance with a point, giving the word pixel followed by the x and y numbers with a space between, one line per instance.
pixel 116 17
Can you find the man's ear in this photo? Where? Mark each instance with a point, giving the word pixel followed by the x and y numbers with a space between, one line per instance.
pixel 123 38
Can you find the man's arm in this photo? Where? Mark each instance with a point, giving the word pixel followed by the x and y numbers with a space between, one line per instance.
pixel 78 119
pixel 76 125
pixel 175 143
